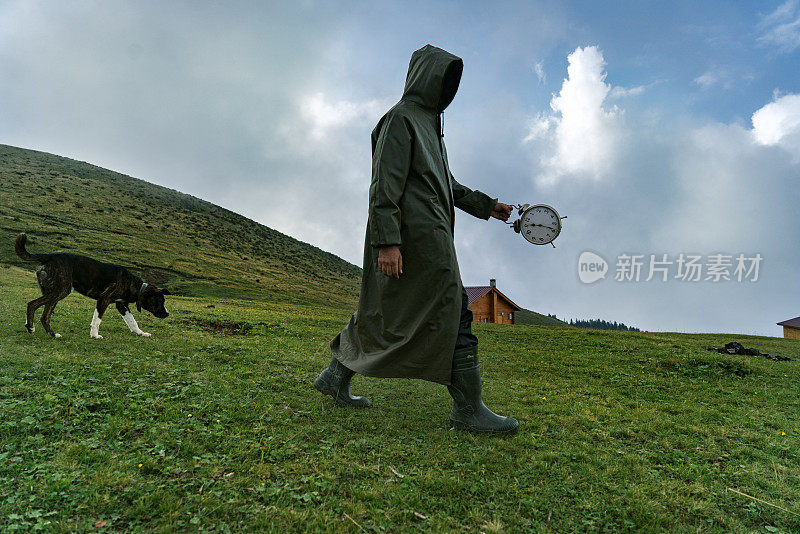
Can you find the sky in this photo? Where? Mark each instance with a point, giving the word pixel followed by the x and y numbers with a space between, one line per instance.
pixel 657 128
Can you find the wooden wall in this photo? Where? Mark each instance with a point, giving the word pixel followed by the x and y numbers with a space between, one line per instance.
pixel 483 307
pixel 504 312
pixel 791 332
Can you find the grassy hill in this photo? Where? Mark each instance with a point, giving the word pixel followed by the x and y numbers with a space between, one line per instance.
pixel 528 317
pixel 170 238
pixel 212 424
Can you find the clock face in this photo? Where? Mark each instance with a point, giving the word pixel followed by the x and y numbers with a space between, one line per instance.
pixel 540 224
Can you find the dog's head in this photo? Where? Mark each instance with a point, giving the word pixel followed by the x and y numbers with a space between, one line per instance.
pixel 152 300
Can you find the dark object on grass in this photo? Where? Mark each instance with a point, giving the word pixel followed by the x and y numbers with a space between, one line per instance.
pixel 737 348
pixel 228 328
pixel 93 406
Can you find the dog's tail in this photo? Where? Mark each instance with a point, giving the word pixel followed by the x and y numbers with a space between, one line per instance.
pixel 19 248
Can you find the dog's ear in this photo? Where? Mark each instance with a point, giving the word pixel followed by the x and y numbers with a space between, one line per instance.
pixel 165 291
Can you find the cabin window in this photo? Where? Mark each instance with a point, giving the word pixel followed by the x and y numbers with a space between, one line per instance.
pixel 511 315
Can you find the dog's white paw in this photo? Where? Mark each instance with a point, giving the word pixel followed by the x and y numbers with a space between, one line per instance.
pixel 145 334
pixel 57 335
pixel 97 336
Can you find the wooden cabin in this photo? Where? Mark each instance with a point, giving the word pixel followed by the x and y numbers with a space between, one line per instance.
pixel 791 328
pixel 488 305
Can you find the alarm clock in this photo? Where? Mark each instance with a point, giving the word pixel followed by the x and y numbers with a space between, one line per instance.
pixel 540 224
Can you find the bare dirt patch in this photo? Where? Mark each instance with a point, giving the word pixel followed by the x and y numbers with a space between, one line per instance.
pixel 232 328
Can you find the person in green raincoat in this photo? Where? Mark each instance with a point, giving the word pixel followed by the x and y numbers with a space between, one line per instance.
pixel 413 319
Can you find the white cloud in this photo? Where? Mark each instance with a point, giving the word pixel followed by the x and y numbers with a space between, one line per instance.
pixel 712 173
pixel 335 132
pixel 778 123
pixel 538 127
pixel 539 70
pixel 623 92
pixel 328 141
pixel 724 78
pixel 325 116
pixel 784 11
pixel 781 28
pixel 707 79
pixel 720 77
pixel 583 136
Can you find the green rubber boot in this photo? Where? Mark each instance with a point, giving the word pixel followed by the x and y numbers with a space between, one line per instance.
pixel 469 413
pixel 335 381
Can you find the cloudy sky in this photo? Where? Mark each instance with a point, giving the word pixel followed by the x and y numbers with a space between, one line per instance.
pixel 657 128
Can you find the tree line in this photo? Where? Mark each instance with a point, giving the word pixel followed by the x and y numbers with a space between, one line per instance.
pixel 600 324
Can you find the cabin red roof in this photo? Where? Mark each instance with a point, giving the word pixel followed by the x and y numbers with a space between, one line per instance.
pixel 476 292
pixel 795 323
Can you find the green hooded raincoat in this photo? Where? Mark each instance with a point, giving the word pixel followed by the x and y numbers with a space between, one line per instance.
pixel 407 327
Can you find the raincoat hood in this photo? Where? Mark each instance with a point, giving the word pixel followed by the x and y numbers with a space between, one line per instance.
pixel 433 78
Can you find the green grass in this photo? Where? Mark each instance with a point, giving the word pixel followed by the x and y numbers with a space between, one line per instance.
pixel 532 318
pixel 200 428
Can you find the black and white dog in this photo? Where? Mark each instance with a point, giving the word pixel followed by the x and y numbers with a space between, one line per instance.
pixel 58 274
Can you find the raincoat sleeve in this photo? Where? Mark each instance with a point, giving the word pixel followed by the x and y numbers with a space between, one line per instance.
pixel 391 162
pixel 475 203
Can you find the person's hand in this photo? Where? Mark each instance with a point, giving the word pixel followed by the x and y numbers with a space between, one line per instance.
pixel 390 261
pixel 502 211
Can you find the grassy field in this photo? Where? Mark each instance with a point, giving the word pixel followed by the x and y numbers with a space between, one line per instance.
pixel 212 425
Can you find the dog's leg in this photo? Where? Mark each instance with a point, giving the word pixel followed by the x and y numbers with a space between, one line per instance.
pixel 46 313
pixel 94 330
pixel 32 307
pixel 45 319
pixel 50 306
pixel 55 283
pixel 127 316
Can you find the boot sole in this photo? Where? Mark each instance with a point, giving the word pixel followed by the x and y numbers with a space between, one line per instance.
pixel 458 425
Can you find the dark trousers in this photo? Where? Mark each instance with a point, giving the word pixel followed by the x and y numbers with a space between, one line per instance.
pixel 465 336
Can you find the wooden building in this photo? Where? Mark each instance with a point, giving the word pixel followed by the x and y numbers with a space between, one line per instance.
pixel 791 328
pixel 488 305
